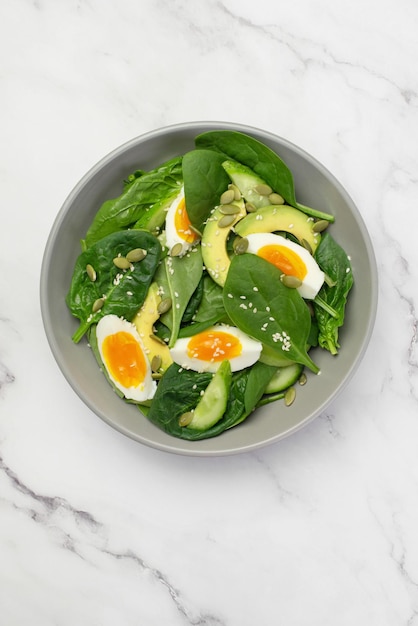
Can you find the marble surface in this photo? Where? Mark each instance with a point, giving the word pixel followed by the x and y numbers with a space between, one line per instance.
pixel 319 529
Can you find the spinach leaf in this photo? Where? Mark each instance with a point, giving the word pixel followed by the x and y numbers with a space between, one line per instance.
pixel 261 159
pixel 333 260
pixel 204 181
pixel 179 391
pixel 178 278
pixel 123 291
pixel 256 155
pixel 193 304
pixel 143 199
pixel 212 304
pixel 259 376
pixel 260 305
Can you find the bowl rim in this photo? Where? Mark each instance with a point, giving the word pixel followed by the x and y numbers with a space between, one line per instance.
pixel 179 446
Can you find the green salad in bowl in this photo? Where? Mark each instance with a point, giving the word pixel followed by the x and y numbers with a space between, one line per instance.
pixel 208 294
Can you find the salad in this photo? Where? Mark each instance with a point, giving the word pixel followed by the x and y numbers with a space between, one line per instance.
pixel 203 288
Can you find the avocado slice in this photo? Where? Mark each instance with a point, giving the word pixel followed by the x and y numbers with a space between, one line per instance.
pixel 212 406
pixel 247 182
pixel 214 239
pixel 271 218
pixel 144 321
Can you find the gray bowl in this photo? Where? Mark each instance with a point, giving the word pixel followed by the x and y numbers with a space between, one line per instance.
pixel 315 186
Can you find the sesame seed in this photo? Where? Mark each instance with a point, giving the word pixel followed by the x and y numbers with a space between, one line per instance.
pixel 255 288
pixel 230 295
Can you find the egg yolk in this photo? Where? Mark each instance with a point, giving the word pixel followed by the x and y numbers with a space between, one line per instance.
pixel 288 261
pixel 182 223
pixel 214 346
pixel 124 359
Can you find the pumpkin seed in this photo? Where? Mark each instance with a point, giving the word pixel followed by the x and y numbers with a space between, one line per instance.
pixel 91 272
pixel 306 245
pixel 237 193
pixel 121 262
pixel 176 250
pixel 226 221
pixel 97 305
pixel 320 225
pixel 263 190
pixel 290 281
pixel 228 196
pixel 250 208
pixel 135 255
pixel 241 245
pixel 289 396
pixel 156 362
pixel 229 209
pixel 164 306
pixel 186 418
pixel 156 375
pixel 303 379
pixel 157 339
pixel 276 198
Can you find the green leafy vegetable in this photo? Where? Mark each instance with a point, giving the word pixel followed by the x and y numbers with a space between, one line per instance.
pixel 333 260
pixel 142 201
pixel 204 181
pixel 178 278
pixel 261 159
pixel 121 292
pixel 180 390
pixel 261 306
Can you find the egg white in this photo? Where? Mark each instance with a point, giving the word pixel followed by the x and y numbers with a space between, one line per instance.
pixel 250 352
pixel 172 235
pixel 314 278
pixel 111 324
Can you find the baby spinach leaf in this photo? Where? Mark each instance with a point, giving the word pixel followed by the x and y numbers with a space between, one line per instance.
pixel 123 291
pixel 178 278
pixel 256 155
pixel 259 377
pixel 180 390
pixel 204 181
pixel 140 200
pixel 333 260
pixel 260 305
pixel 261 159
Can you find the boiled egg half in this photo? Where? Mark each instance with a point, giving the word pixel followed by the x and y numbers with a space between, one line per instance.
pixel 123 355
pixel 180 235
pixel 291 258
pixel 205 351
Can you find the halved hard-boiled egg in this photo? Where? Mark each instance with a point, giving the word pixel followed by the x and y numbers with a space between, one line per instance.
pixel 205 351
pixel 291 258
pixel 123 355
pixel 180 235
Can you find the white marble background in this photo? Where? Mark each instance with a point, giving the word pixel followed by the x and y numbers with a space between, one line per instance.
pixel 318 530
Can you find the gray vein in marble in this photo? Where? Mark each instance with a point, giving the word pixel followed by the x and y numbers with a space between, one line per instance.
pixel 49 505
pixel 290 41
pixel 329 418
pixel 391 530
pixel 6 377
pixel 200 620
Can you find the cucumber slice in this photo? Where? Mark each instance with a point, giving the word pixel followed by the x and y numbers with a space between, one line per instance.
pixel 212 406
pixel 284 377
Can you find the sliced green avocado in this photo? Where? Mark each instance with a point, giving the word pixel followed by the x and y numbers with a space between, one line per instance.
pixel 282 217
pixel 246 180
pixel 212 406
pixel 214 240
